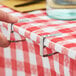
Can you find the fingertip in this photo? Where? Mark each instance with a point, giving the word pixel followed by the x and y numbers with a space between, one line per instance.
pixel 6 44
pixel 6 17
pixel 12 19
pixel 3 41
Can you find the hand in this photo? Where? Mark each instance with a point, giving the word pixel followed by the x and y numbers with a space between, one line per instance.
pixel 6 18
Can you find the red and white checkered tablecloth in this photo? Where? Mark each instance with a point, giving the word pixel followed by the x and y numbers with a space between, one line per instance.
pixel 38 24
pixel 23 58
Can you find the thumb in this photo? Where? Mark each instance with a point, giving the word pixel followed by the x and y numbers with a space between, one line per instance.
pixel 4 16
pixel 3 41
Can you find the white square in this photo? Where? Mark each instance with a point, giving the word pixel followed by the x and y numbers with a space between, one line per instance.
pixel 8 72
pixel 56 66
pixel 21 73
pixel 32 58
pixel 22 31
pixel 33 36
pixel 66 71
pixel 46 42
pixel 19 55
pixel 72 53
pixel 44 17
pixel 68 25
pixel 49 29
pixel 58 47
pixel 7 53
pixel 6 32
pixel 37 24
pixel 57 22
pixel 46 63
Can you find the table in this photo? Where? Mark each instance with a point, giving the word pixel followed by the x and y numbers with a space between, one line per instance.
pixel 23 58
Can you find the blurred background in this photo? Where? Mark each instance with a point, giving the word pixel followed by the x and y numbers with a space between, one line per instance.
pixel 22 6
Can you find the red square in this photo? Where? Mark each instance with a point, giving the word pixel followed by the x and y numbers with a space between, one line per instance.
pixel 2 62
pixel 66 30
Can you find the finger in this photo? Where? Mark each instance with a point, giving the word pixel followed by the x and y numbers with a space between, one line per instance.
pixel 4 16
pixel 3 41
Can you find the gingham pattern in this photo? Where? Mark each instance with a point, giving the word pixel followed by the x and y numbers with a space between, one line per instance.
pixel 23 58
pixel 5 28
pixel 38 24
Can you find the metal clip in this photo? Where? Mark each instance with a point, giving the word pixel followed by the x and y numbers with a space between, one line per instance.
pixel 42 39
pixel 12 28
pixel 16 40
pixel 42 46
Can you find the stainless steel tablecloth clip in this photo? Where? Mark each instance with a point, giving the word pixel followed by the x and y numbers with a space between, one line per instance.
pixel 12 28
pixel 15 40
pixel 42 46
